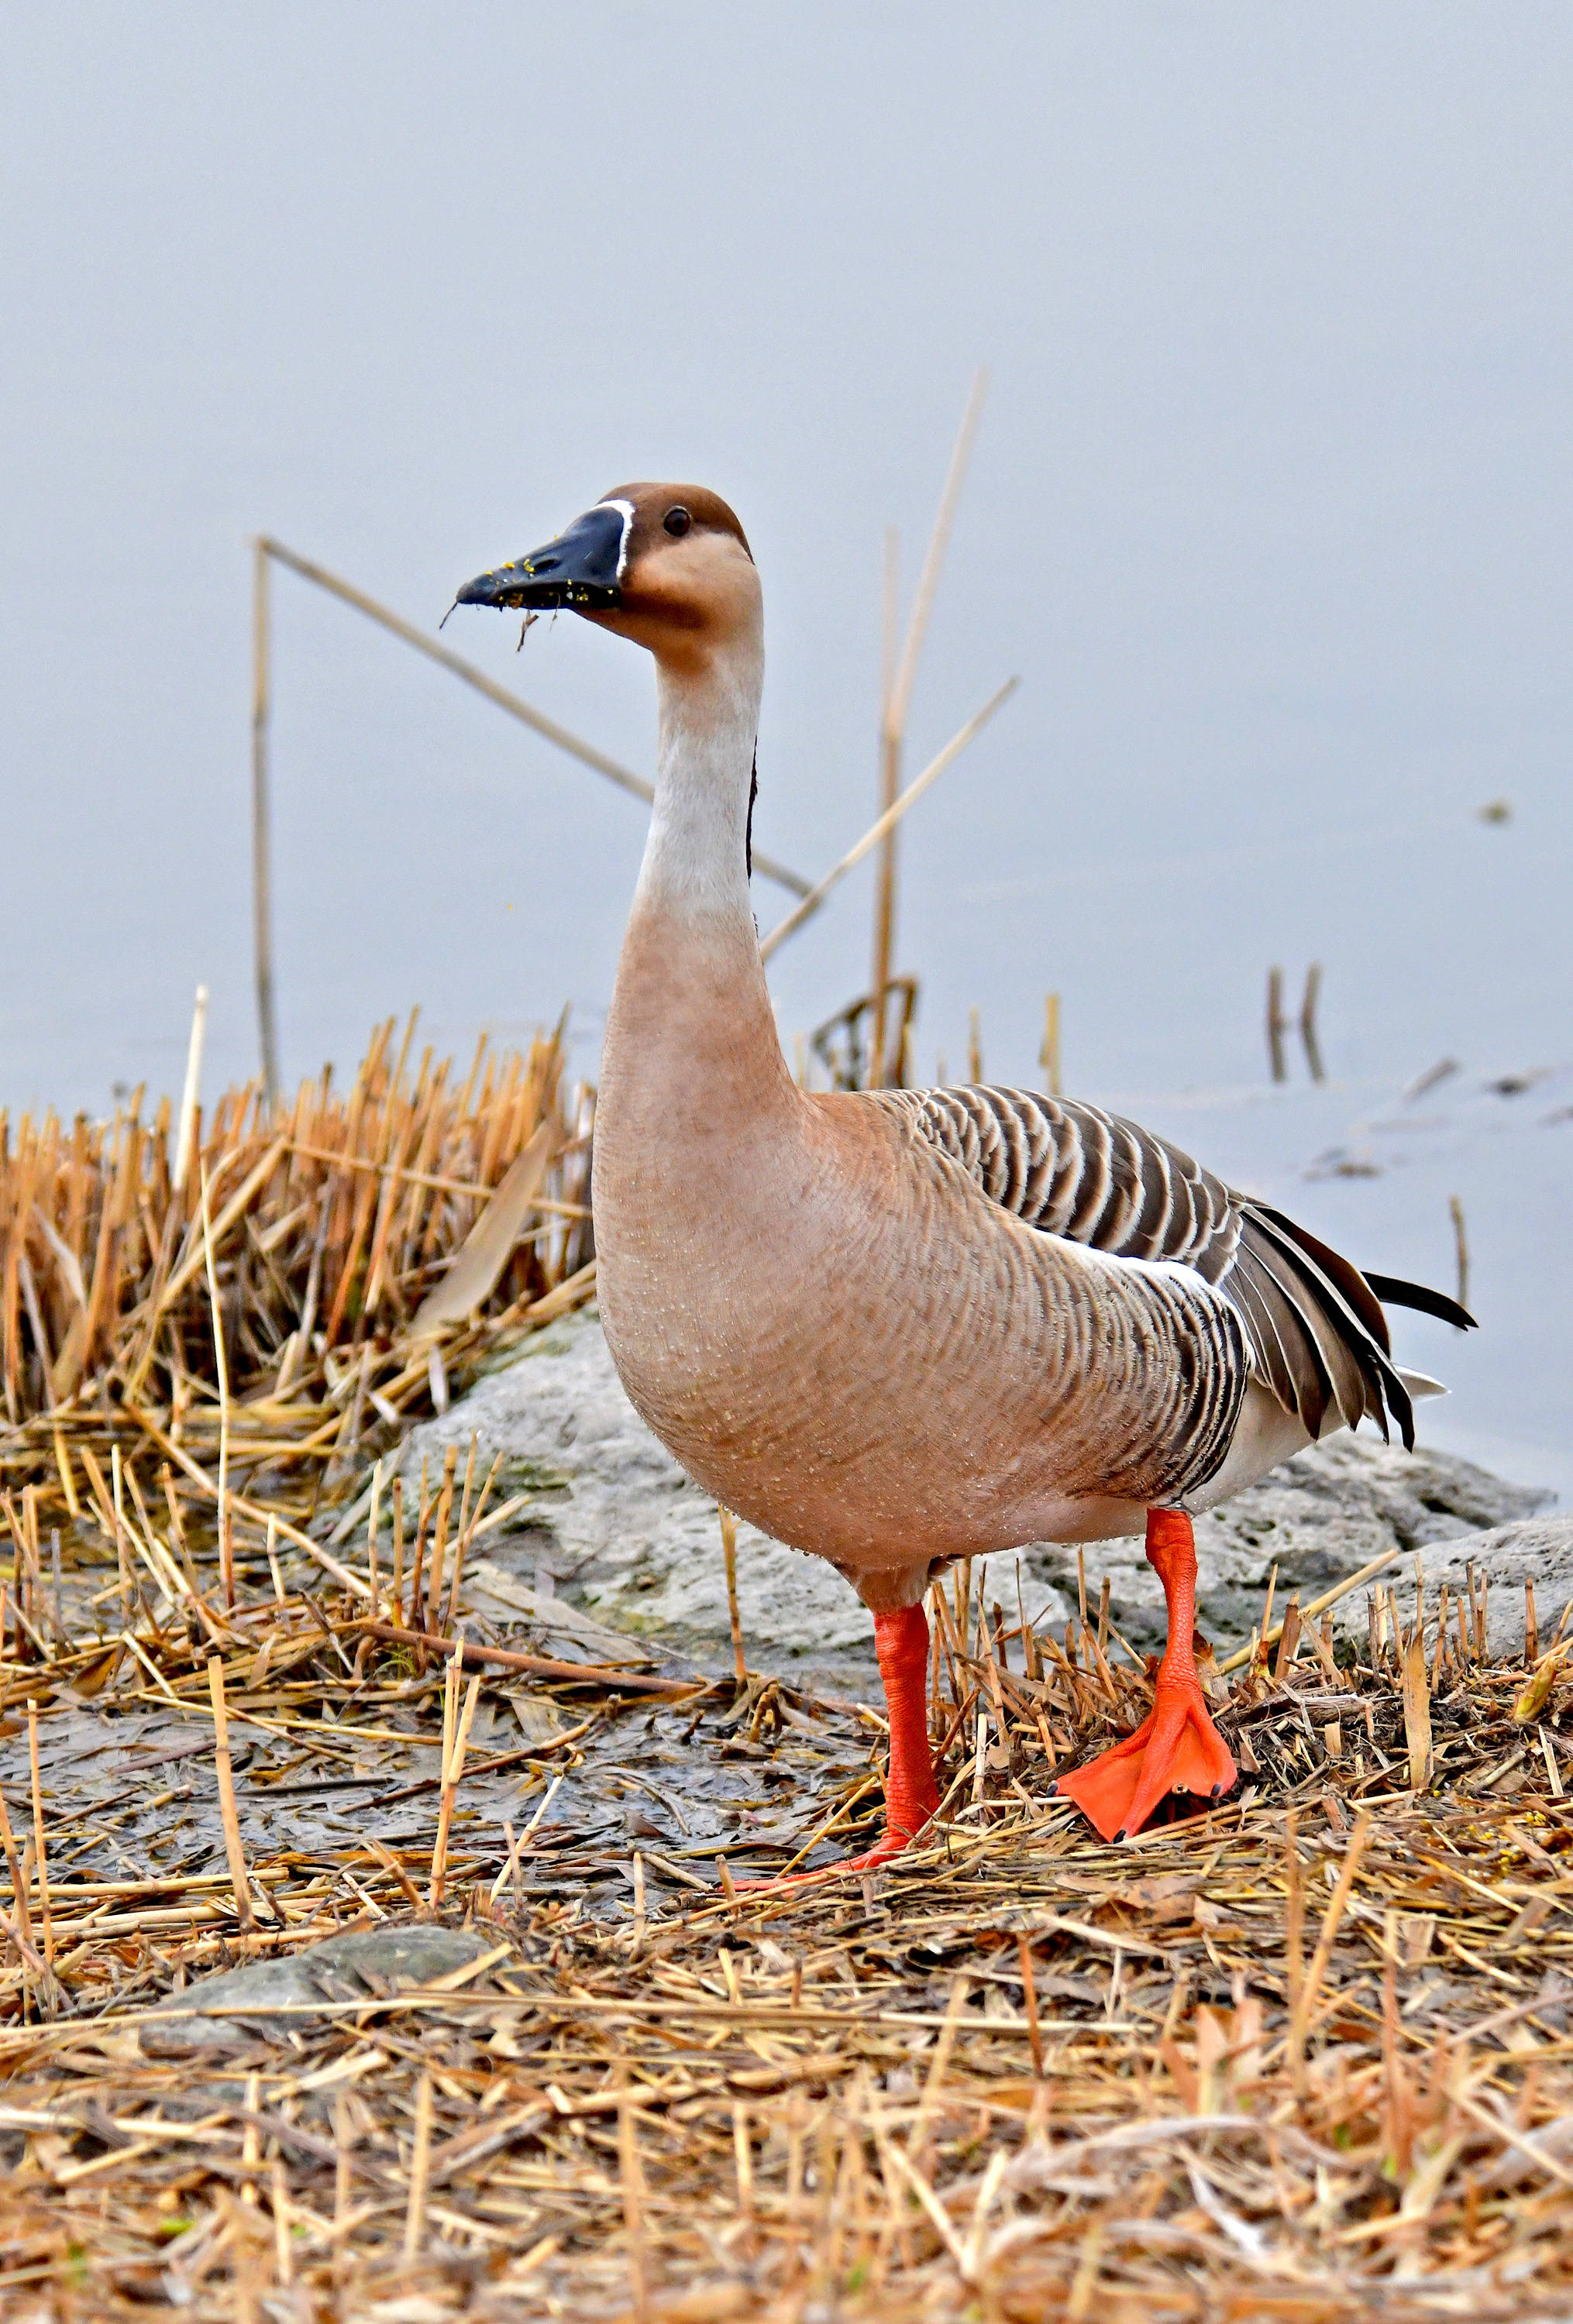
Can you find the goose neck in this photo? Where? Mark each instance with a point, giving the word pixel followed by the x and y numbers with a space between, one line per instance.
pixel 696 859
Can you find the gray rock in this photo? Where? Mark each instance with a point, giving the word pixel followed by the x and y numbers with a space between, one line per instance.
pixel 616 1514
pixel 340 1969
pixel 1537 1549
pixel 615 1517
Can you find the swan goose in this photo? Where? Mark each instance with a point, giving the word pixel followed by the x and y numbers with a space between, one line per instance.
pixel 899 1327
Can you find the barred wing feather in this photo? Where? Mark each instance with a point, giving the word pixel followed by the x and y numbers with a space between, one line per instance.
pixel 1318 1336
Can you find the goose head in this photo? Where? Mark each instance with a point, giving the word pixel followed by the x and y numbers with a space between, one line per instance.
pixel 666 565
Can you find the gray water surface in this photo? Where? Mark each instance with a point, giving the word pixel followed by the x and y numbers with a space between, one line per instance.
pixel 1271 509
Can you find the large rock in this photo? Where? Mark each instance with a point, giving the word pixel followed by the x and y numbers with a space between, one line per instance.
pixel 626 1533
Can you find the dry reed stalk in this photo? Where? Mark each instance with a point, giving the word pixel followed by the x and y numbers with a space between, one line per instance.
pixel 396 1602
pixel 1337 1905
pixel 434 1610
pixel 456 1726
pixel 1029 2003
pixel 191 1096
pixel 1417 1707
pixel 122 1559
pixel 888 821
pixel 373 1513
pixel 420 2167
pixel 729 1554
pixel 239 1880
pixel 41 1846
pixel 897 680
pixel 1294 1951
pixel 633 2185
pixel 19 1897
pixel 1328 1598
pixel 470 1524
pixel 1049 1055
pixel 1460 1248
pixel 221 1368
pixel 536 720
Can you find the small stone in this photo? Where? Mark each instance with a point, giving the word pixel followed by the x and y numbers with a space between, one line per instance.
pixel 340 1968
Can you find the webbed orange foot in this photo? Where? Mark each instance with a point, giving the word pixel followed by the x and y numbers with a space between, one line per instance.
pixel 1177 1748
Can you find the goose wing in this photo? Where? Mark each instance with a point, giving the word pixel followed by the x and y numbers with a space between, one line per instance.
pixel 1318 1336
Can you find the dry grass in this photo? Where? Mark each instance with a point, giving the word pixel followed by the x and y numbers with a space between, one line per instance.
pixel 329 1226
pixel 1303 2056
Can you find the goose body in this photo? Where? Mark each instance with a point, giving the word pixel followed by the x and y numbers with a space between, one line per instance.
pixel 894 1328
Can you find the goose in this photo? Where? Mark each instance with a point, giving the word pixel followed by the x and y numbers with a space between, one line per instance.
pixel 895 1327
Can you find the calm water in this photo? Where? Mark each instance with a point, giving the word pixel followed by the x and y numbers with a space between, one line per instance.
pixel 1271 509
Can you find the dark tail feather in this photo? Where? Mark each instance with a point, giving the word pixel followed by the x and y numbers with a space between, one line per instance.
pixel 1395 1293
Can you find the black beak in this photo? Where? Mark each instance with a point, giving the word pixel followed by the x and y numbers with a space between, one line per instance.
pixel 581 568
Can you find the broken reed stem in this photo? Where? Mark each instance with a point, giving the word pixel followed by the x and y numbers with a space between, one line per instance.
pixel 890 762
pixel 122 1560
pixel 397 1605
pixel 283 2256
pixel 1333 1914
pixel 39 1843
pixel 743 2160
pixel 1460 1248
pixel 729 1553
pixel 19 1901
pixel 1294 1950
pixel 191 1096
pixel 420 2169
pixel 877 831
pixel 470 1521
pixel 239 1881
pixel 226 1545
pixel 1277 1024
pixel 1417 1706
pixel 638 1896
pixel 1048 1056
pixel 371 1538
pixel 1243 1654
pixel 1029 2001
pixel 272 1544
pixel 633 2179
pixel 456 1726
pixel 439 1540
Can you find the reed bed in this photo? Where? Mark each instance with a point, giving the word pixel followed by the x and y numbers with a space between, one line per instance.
pixel 318 1238
pixel 1302 2055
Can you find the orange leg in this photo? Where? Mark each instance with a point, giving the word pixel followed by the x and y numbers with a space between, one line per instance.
pixel 1177 1748
pixel 910 1793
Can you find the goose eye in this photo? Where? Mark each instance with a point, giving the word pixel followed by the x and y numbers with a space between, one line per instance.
pixel 677 521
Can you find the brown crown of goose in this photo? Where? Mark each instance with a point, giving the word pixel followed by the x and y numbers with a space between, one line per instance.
pixel 652 505
pixel 683 590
